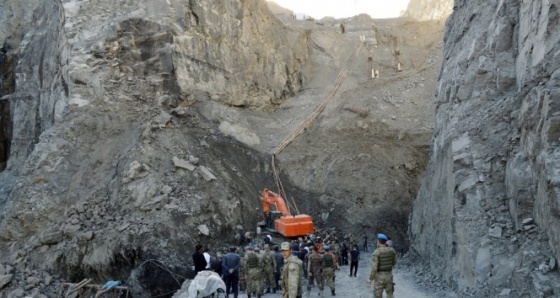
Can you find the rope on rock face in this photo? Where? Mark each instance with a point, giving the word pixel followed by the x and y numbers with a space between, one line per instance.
pixel 306 123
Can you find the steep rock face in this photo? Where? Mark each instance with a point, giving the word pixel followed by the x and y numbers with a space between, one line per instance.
pixel 112 162
pixel 233 52
pixel 33 63
pixel 488 212
pixel 424 10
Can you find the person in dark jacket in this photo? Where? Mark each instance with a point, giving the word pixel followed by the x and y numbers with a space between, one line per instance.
pixel 230 265
pixel 279 263
pixel 354 257
pixel 198 259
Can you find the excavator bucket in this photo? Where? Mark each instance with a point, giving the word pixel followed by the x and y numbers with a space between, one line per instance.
pixel 294 225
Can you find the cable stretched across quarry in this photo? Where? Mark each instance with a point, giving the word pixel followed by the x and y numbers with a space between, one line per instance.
pixel 307 122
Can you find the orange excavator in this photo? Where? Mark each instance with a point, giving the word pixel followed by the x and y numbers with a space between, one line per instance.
pixel 288 225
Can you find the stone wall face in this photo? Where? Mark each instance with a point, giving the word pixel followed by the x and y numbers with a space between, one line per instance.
pixel 102 103
pixel 34 64
pixel 488 210
pixel 425 10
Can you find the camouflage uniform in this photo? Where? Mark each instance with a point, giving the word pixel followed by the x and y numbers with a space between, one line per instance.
pixel 315 267
pixel 383 259
pixel 328 273
pixel 253 266
pixel 292 277
pixel 269 263
pixel 336 250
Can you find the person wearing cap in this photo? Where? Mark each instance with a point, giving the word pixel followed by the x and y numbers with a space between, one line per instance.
pixel 331 264
pixel 230 269
pixel 269 264
pixel 383 259
pixel 291 274
pixel 253 264
pixel 315 266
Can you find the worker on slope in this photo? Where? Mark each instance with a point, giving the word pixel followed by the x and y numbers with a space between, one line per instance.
pixel 292 273
pixel 253 266
pixel 331 264
pixel 383 260
pixel 315 267
pixel 269 265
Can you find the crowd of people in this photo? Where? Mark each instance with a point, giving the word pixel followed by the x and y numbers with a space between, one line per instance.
pixel 314 258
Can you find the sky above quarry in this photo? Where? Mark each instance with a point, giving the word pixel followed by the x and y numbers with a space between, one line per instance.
pixel 346 8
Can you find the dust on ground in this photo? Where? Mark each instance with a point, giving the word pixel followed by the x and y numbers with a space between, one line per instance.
pixel 357 287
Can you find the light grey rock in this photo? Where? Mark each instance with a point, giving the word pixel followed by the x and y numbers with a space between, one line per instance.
pixel 136 170
pixel 505 292
pixel 48 280
pixel 162 119
pixel 193 160
pixel 166 189
pixel 552 264
pixel 183 164
pixel 33 281
pixel 495 232
pixel 86 236
pixel 17 293
pixel 206 173
pixel 71 230
pixel 5 279
pixel 527 221
pixel 123 227
pixel 2 270
pixel 51 238
pixel 424 10
pixel 203 229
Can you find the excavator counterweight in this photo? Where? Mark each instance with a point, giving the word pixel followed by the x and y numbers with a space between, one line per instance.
pixel 288 225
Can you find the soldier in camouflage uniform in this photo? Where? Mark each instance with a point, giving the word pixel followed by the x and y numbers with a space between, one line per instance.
pixel 335 247
pixel 269 263
pixel 331 263
pixel 253 269
pixel 315 267
pixel 383 259
pixel 292 273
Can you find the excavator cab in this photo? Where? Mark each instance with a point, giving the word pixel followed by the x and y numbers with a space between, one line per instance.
pixel 288 225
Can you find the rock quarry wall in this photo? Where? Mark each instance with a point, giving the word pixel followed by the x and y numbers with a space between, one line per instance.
pixel 425 10
pixel 108 163
pixel 487 217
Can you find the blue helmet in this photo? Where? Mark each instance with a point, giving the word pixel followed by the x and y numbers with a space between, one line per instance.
pixel 381 237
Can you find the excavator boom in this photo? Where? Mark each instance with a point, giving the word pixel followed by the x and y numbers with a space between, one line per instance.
pixel 288 225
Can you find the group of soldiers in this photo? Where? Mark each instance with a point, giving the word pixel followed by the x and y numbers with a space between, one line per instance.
pixel 321 267
pixel 262 272
pixel 258 270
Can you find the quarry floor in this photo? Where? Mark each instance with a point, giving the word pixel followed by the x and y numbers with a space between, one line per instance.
pixel 346 286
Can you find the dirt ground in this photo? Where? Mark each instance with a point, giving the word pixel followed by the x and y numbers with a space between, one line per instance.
pixel 346 286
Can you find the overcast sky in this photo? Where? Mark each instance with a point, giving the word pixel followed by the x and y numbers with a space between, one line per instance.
pixel 346 8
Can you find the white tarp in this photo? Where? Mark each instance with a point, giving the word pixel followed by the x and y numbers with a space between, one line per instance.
pixel 204 284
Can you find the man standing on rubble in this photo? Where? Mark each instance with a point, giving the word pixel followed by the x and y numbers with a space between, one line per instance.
pixel 292 273
pixel 383 259
pixel 269 265
pixel 253 264
pixel 230 265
